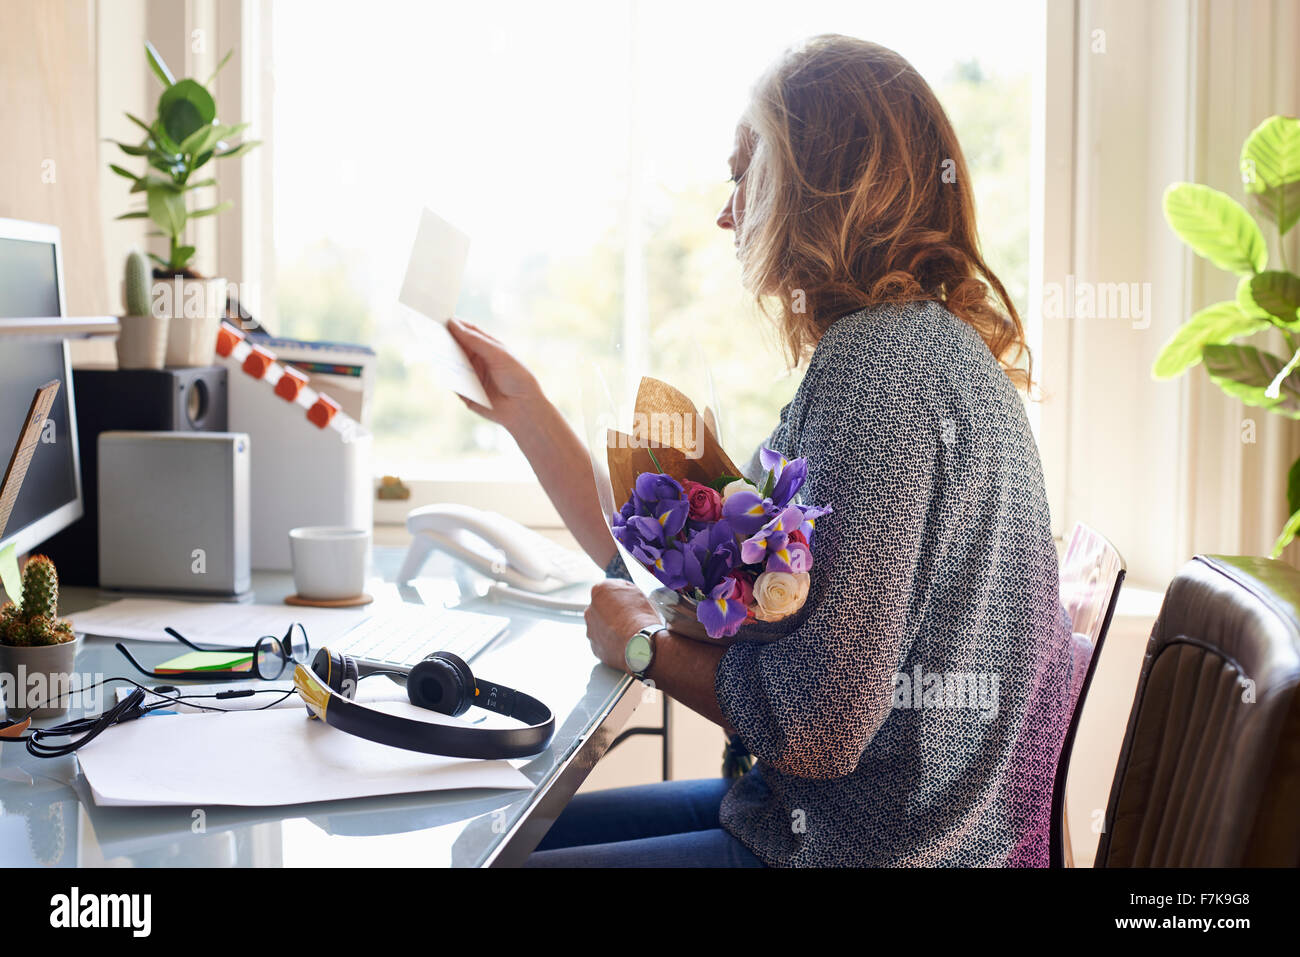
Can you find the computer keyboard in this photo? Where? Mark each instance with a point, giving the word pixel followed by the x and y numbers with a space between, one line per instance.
pixel 407 635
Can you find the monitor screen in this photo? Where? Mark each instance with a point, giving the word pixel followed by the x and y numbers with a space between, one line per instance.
pixel 29 287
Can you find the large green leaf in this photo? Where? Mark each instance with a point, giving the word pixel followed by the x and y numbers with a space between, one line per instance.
pixel 167 209
pixel 181 257
pixel 198 141
pixel 158 66
pixel 1288 535
pixel 1221 322
pixel 1293 487
pixel 1273 293
pixel 1246 373
pixel 1217 227
pixel 1270 169
pixel 184 107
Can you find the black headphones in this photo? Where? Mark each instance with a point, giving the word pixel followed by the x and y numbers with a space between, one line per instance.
pixel 443 683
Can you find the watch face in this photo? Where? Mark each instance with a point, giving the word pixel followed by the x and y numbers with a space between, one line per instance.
pixel 638 654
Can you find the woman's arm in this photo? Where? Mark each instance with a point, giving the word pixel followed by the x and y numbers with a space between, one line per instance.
pixel 552 447
pixel 682 668
pixel 563 466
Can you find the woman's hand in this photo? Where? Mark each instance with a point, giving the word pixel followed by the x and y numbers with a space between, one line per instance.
pixel 517 399
pixel 618 610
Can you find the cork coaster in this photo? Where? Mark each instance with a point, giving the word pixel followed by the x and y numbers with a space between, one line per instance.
pixel 354 602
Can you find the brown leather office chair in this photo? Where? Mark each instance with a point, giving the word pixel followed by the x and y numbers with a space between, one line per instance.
pixel 1209 772
pixel 1092 573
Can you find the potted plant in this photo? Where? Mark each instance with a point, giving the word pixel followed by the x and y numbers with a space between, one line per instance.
pixel 37 648
pixel 142 343
pixel 183 138
pixel 1218 228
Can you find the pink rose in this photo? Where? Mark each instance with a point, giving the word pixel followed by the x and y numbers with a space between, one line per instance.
pixel 706 504
pixel 800 556
pixel 744 592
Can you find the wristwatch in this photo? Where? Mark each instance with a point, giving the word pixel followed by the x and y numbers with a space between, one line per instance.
pixel 639 654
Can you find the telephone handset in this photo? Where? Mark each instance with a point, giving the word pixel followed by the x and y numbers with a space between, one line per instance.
pixel 494 545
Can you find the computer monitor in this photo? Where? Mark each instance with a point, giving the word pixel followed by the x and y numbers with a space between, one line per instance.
pixel 31 285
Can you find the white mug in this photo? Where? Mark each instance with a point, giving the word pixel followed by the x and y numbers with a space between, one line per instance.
pixel 329 561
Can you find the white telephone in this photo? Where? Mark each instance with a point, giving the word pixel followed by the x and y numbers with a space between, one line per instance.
pixel 494 545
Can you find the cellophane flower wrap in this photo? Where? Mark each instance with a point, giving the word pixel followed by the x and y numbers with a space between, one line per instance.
pixel 738 550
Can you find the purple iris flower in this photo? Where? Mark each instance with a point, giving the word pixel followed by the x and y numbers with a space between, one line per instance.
pixel 769 542
pixel 747 512
pixel 787 476
pixel 722 555
pixel 800 557
pixel 810 515
pixel 671 515
pixel 646 528
pixel 654 487
pixel 665 564
pixel 722 613
pixel 710 554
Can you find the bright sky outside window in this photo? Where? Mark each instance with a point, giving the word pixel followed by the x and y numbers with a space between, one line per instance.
pixel 573 140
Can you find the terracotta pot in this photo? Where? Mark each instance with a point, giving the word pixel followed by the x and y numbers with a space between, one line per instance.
pixel 142 343
pixel 29 672
pixel 195 308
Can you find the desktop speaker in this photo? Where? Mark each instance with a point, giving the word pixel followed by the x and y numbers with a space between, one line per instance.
pixel 174 512
pixel 147 400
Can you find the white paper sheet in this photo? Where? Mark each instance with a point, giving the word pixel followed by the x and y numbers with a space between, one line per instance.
pixel 267 758
pixel 213 623
pixel 430 291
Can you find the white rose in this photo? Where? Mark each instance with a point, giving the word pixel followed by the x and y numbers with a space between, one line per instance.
pixel 740 485
pixel 779 594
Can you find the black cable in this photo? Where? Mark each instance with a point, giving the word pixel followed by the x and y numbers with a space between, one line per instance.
pixel 132 707
pixel 125 710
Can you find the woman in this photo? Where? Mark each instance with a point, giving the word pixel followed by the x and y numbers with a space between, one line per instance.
pixel 935 573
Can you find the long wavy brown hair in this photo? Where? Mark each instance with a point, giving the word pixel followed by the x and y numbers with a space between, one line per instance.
pixel 856 194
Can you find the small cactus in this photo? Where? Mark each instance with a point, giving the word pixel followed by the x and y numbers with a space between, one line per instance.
pixel 37 622
pixel 137 284
pixel 40 588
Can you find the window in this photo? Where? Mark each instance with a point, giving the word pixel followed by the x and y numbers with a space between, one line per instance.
pixel 583 147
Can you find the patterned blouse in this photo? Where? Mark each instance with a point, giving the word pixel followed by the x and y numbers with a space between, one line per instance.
pixel 911 713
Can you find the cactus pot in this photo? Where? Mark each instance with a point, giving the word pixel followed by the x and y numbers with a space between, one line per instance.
pixel 142 343
pixel 195 308
pixel 28 673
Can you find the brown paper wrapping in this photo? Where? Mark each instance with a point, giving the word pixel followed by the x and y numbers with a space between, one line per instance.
pixel 628 454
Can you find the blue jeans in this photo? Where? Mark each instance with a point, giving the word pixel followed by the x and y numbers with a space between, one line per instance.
pixel 671 824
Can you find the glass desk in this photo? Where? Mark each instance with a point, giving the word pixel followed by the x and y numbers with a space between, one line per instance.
pixel 48 817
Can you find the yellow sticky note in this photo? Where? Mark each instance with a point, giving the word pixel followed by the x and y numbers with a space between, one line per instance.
pixel 9 574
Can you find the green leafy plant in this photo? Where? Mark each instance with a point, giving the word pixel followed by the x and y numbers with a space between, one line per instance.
pixel 182 139
pixel 37 622
pixel 1220 229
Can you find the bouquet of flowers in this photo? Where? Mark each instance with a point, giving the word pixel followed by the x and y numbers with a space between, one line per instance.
pixel 733 550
